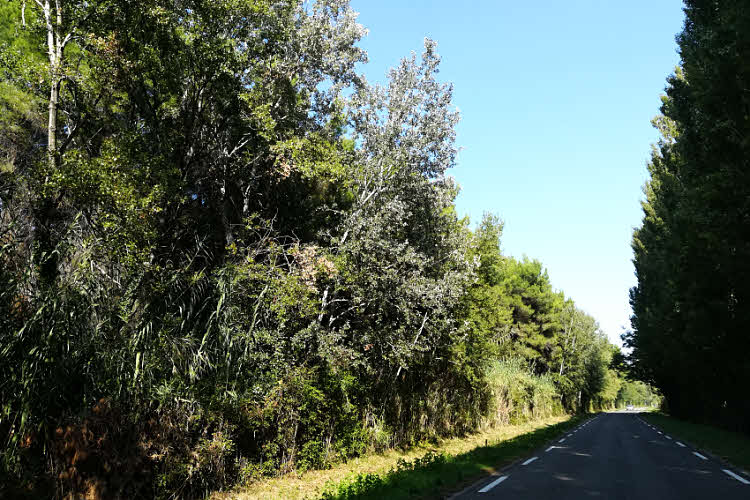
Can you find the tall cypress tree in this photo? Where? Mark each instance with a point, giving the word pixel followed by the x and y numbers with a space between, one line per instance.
pixel 692 253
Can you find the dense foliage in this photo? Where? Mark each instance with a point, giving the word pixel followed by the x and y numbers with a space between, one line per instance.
pixel 692 254
pixel 224 254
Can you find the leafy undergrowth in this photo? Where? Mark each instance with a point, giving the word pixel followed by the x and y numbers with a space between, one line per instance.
pixel 733 447
pixel 425 471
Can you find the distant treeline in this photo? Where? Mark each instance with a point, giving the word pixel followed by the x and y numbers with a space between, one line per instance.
pixel 225 255
pixel 692 253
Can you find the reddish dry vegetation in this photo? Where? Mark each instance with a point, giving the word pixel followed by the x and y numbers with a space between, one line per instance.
pixel 108 454
pixel 101 455
pixel 90 458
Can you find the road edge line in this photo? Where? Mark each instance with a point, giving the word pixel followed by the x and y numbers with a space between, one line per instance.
pixel 502 471
pixel 722 461
pixel 737 477
pixel 493 484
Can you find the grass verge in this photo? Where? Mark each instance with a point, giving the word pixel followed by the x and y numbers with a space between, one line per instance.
pixel 730 446
pixel 421 472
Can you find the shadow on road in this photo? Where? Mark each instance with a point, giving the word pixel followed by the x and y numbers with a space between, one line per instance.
pixel 436 474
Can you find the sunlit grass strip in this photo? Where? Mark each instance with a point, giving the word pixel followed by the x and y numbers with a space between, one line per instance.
pixel 419 472
pixel 731 446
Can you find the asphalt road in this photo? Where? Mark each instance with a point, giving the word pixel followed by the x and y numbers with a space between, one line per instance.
pixel 619 456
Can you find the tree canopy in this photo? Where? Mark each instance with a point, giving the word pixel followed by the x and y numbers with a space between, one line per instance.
pixel 692 301
pixel 225 255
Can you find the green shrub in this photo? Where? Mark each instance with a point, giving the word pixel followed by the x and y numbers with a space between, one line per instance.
pixel 517 395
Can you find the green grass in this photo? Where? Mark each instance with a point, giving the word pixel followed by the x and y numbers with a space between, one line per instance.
pixel 730 446
pixel 311 484
pixel 437 474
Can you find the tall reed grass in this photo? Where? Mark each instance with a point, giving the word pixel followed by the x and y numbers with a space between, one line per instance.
pixel 517 395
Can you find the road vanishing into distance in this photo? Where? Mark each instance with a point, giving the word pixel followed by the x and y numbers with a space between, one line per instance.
pixel 614 456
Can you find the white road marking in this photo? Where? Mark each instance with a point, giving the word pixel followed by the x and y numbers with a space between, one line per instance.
pixel 493 484
pixel 699 455
pixel 738 478
pixel 659 432
pixel 679 444
pixel 667 436
pixel 569 435
pixel 551 448
pixel 562 440
pixel 527 462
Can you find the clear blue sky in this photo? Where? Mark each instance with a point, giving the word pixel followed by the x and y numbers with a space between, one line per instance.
pixel 556 100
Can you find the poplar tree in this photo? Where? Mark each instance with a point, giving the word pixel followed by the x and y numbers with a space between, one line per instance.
pixel 692 258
